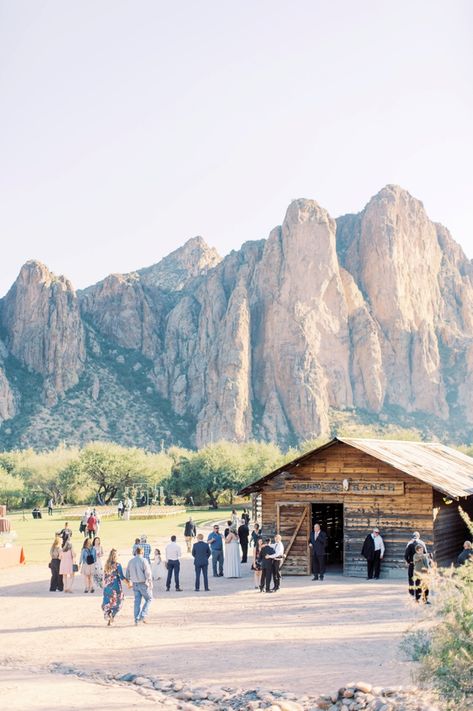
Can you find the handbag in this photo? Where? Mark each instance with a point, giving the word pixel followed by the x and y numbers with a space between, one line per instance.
pixel 90 559
pixel 75 568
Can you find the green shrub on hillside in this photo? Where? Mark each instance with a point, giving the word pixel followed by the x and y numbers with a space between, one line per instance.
pixel 445 649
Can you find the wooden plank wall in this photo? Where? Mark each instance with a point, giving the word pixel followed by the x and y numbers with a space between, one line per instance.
pixel 450 531
pixel 396 516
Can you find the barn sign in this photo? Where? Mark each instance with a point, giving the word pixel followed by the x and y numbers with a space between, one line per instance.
pixel 377 488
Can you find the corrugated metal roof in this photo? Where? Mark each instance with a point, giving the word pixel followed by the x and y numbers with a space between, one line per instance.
pixel 443 468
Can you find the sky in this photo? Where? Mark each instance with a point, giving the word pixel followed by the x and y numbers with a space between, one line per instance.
pixel 130 126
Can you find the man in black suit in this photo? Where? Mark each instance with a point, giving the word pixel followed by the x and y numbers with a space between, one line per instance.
pixel 266 566
pixel 318 542
pixel 243 535
pixel 201 554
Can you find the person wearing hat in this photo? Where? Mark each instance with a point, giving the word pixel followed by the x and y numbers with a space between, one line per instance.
pixel 409 558
pixel 373 551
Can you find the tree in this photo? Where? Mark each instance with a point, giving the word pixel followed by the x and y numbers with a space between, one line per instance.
pixel 11 488
pixel 112 468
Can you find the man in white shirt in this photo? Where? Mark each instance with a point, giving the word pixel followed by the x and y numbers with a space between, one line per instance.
pixel 278 557
pixel 173 555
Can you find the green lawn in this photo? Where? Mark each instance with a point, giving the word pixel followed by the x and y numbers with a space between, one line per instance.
pixel 37 535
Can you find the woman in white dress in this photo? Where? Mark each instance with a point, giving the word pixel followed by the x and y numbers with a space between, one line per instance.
pixel 158 571
pixel 231 561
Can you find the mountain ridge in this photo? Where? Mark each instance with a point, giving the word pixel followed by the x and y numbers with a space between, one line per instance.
pixel 369 313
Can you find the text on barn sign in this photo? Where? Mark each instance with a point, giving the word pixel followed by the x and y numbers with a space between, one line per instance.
pixel 377 488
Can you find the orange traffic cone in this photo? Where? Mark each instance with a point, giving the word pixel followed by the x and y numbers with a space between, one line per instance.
pixel 22 557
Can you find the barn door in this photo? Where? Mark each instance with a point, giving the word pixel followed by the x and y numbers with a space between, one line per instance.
pixel 294 526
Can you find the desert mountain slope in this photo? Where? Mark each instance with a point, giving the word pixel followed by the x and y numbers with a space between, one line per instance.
pixel 370 315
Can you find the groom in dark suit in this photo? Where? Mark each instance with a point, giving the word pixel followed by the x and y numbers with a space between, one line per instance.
pixel 201 554
pixel 318 542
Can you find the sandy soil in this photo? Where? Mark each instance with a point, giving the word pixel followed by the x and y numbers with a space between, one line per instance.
pixel 310 637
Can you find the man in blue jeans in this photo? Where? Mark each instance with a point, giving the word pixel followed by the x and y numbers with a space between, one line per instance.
pixel 215 542
pixel 139 573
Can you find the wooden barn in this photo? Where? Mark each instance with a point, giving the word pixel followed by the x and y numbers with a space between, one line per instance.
pixel 350 486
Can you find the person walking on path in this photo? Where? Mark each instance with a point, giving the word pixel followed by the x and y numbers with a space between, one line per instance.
pixel 158 571
pixel 201 554
pixel 98 569
pixel 67 559
pixel 243 535
pixel 189 533
pixel 145 547
pixel 65 533
pixel 55 552
pixel 277 558
pixel 173 556
pixel 266 566
pixel 421 572
pixel 120 508
pixel 113 595
pixel 138 572
pixel 373 551
pixel 409 558
pixel 91 526
pixel 88 557
pixel 466 554
pixel 215 541
pixel 83 523
pixel 50 507
pixel 318 542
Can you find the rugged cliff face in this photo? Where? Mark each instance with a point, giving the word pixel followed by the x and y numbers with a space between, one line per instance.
pixel 371 313
pixel 43 328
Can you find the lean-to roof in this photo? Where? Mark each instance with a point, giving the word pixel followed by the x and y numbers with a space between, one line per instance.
pixel 443 468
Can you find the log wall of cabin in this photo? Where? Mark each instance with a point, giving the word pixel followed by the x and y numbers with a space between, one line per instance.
pixel 397 516
pixel 450 531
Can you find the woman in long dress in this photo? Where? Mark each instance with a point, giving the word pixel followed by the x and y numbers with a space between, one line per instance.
pixel 158 571
pixel 113 594
pixel 87 561
pixel 231 562
pixel 98 571
pixel 66 566
pixel 55 552
pixel 257 562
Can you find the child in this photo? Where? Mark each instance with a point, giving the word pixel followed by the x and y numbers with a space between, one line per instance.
pixel 158 570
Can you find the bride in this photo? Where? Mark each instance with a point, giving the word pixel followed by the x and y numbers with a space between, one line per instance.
pixel 231 561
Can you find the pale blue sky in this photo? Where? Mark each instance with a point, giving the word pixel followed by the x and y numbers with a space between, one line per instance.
pixel 129 126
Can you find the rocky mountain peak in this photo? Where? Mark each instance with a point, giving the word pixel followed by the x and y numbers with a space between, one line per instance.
pixel 370 314
pixel 173 272
pixel 41 320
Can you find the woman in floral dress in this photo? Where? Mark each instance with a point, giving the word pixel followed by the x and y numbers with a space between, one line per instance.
pixel 113 594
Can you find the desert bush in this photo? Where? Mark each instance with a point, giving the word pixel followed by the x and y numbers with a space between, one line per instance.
pixel 445 648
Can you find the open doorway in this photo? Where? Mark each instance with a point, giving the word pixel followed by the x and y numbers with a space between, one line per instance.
pixel 330 518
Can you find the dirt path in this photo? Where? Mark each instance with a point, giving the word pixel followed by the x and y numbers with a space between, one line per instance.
pixel 309 637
